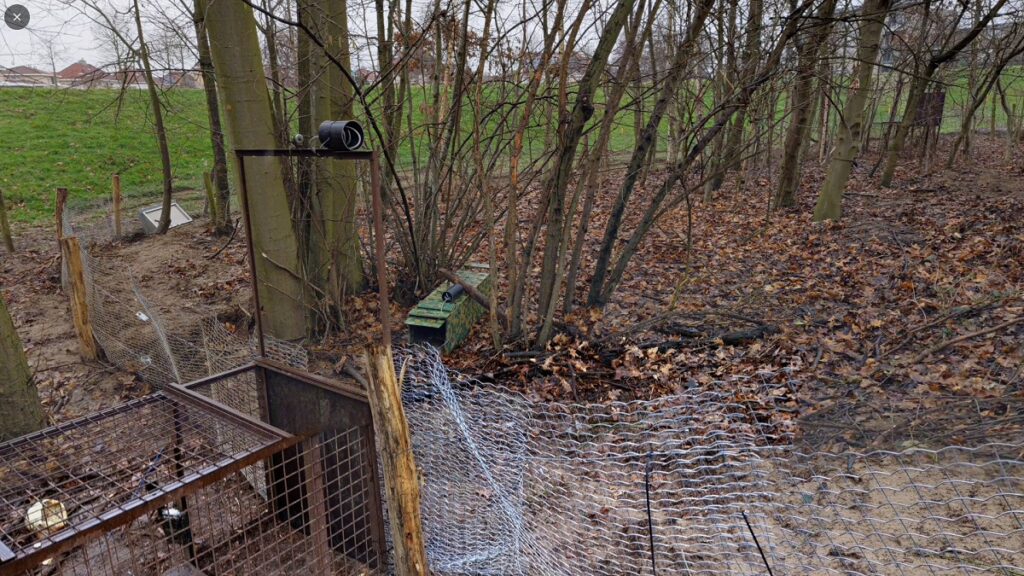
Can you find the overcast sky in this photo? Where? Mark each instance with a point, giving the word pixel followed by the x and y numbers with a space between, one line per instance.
pixel 54 33
pixel 58 36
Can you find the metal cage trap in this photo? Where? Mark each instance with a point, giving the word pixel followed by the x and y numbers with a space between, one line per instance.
pixel 259 470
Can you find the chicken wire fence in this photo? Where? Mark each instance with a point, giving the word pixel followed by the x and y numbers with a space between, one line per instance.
pixel 701 482
pixel 695 483
pixel 131 330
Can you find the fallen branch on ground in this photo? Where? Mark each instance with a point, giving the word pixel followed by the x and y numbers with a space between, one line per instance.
pixel 940 347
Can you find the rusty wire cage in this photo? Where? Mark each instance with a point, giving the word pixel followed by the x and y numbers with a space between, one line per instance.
pixel 259 470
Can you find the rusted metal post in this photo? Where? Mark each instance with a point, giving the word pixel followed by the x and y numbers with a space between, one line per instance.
pixel 401 480
pixel 381 265
pixel 117 205
pixel 71 252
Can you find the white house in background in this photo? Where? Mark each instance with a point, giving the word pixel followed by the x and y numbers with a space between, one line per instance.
pixel 26 76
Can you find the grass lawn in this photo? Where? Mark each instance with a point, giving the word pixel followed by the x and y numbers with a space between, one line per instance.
pixel 79 138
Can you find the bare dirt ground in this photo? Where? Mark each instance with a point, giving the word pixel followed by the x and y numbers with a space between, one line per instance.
pixel 900 322
pixel 185 275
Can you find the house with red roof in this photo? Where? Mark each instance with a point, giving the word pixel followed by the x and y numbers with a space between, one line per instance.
pixel 81 74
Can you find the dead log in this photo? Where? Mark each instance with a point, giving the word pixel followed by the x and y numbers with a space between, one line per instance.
pixel 740 337
pixel 401 479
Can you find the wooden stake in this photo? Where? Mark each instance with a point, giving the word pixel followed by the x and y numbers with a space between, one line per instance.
pixel 401 480
pixel 62 199
pixel 117 205
pixel 71 252
pixel 5 226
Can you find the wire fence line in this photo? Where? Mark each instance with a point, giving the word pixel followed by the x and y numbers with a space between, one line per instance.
pixel 133 335
pixel 517 486
pixel 697 483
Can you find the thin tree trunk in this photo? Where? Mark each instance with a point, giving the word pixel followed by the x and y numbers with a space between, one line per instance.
pixel 517 266
pixel 920 85
pixel 158 122
pixel 220 162
pixel 332 261
pixel 655 206
pixel 672 81
pixel 570 136
pixel 978 99
pixel 592 170
pixel 852 122
pixel 802 100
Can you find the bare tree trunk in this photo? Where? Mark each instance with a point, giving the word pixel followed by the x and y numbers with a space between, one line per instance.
pixel 516 265
pixel 158 122
pixel 656 205
pixel 220 162
pixel 672 81
pixel 849 139
pixel 978 97
pixel 332 258
pixel 733 138
pixel 920 85
pixel 21 411
pixel 249 123
pixel 802 102
pixel 591 173
pixel 569 137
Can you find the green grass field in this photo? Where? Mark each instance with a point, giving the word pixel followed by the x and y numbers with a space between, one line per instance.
pixel 78 139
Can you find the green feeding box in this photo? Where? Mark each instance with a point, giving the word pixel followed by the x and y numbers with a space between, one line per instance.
pixel 445 324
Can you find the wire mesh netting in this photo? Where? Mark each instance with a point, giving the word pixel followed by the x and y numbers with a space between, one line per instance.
pixel 134 336
pixel 163 485
pixel 111 460
pixel 517 486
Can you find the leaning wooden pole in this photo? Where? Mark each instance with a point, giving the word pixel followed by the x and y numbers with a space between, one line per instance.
pixel 116 181
pixel 58 213
pixel 71 252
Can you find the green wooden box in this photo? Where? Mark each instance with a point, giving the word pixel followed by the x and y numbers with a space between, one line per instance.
pixel 447 324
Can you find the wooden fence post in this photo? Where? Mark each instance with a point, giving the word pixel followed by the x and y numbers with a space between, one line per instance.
pixel 5 225
pixel 117 205
pixel 401 480
pixel 71 252
pixel 62 199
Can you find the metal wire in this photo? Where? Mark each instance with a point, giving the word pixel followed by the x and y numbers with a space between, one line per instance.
pixel 512 485
pixel 133 334
pixel 163 486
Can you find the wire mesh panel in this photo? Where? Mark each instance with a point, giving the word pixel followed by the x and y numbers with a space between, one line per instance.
pixel 176 484
pixel 693 483
pixel 134 334
pixel 513 486
pixel 916 511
